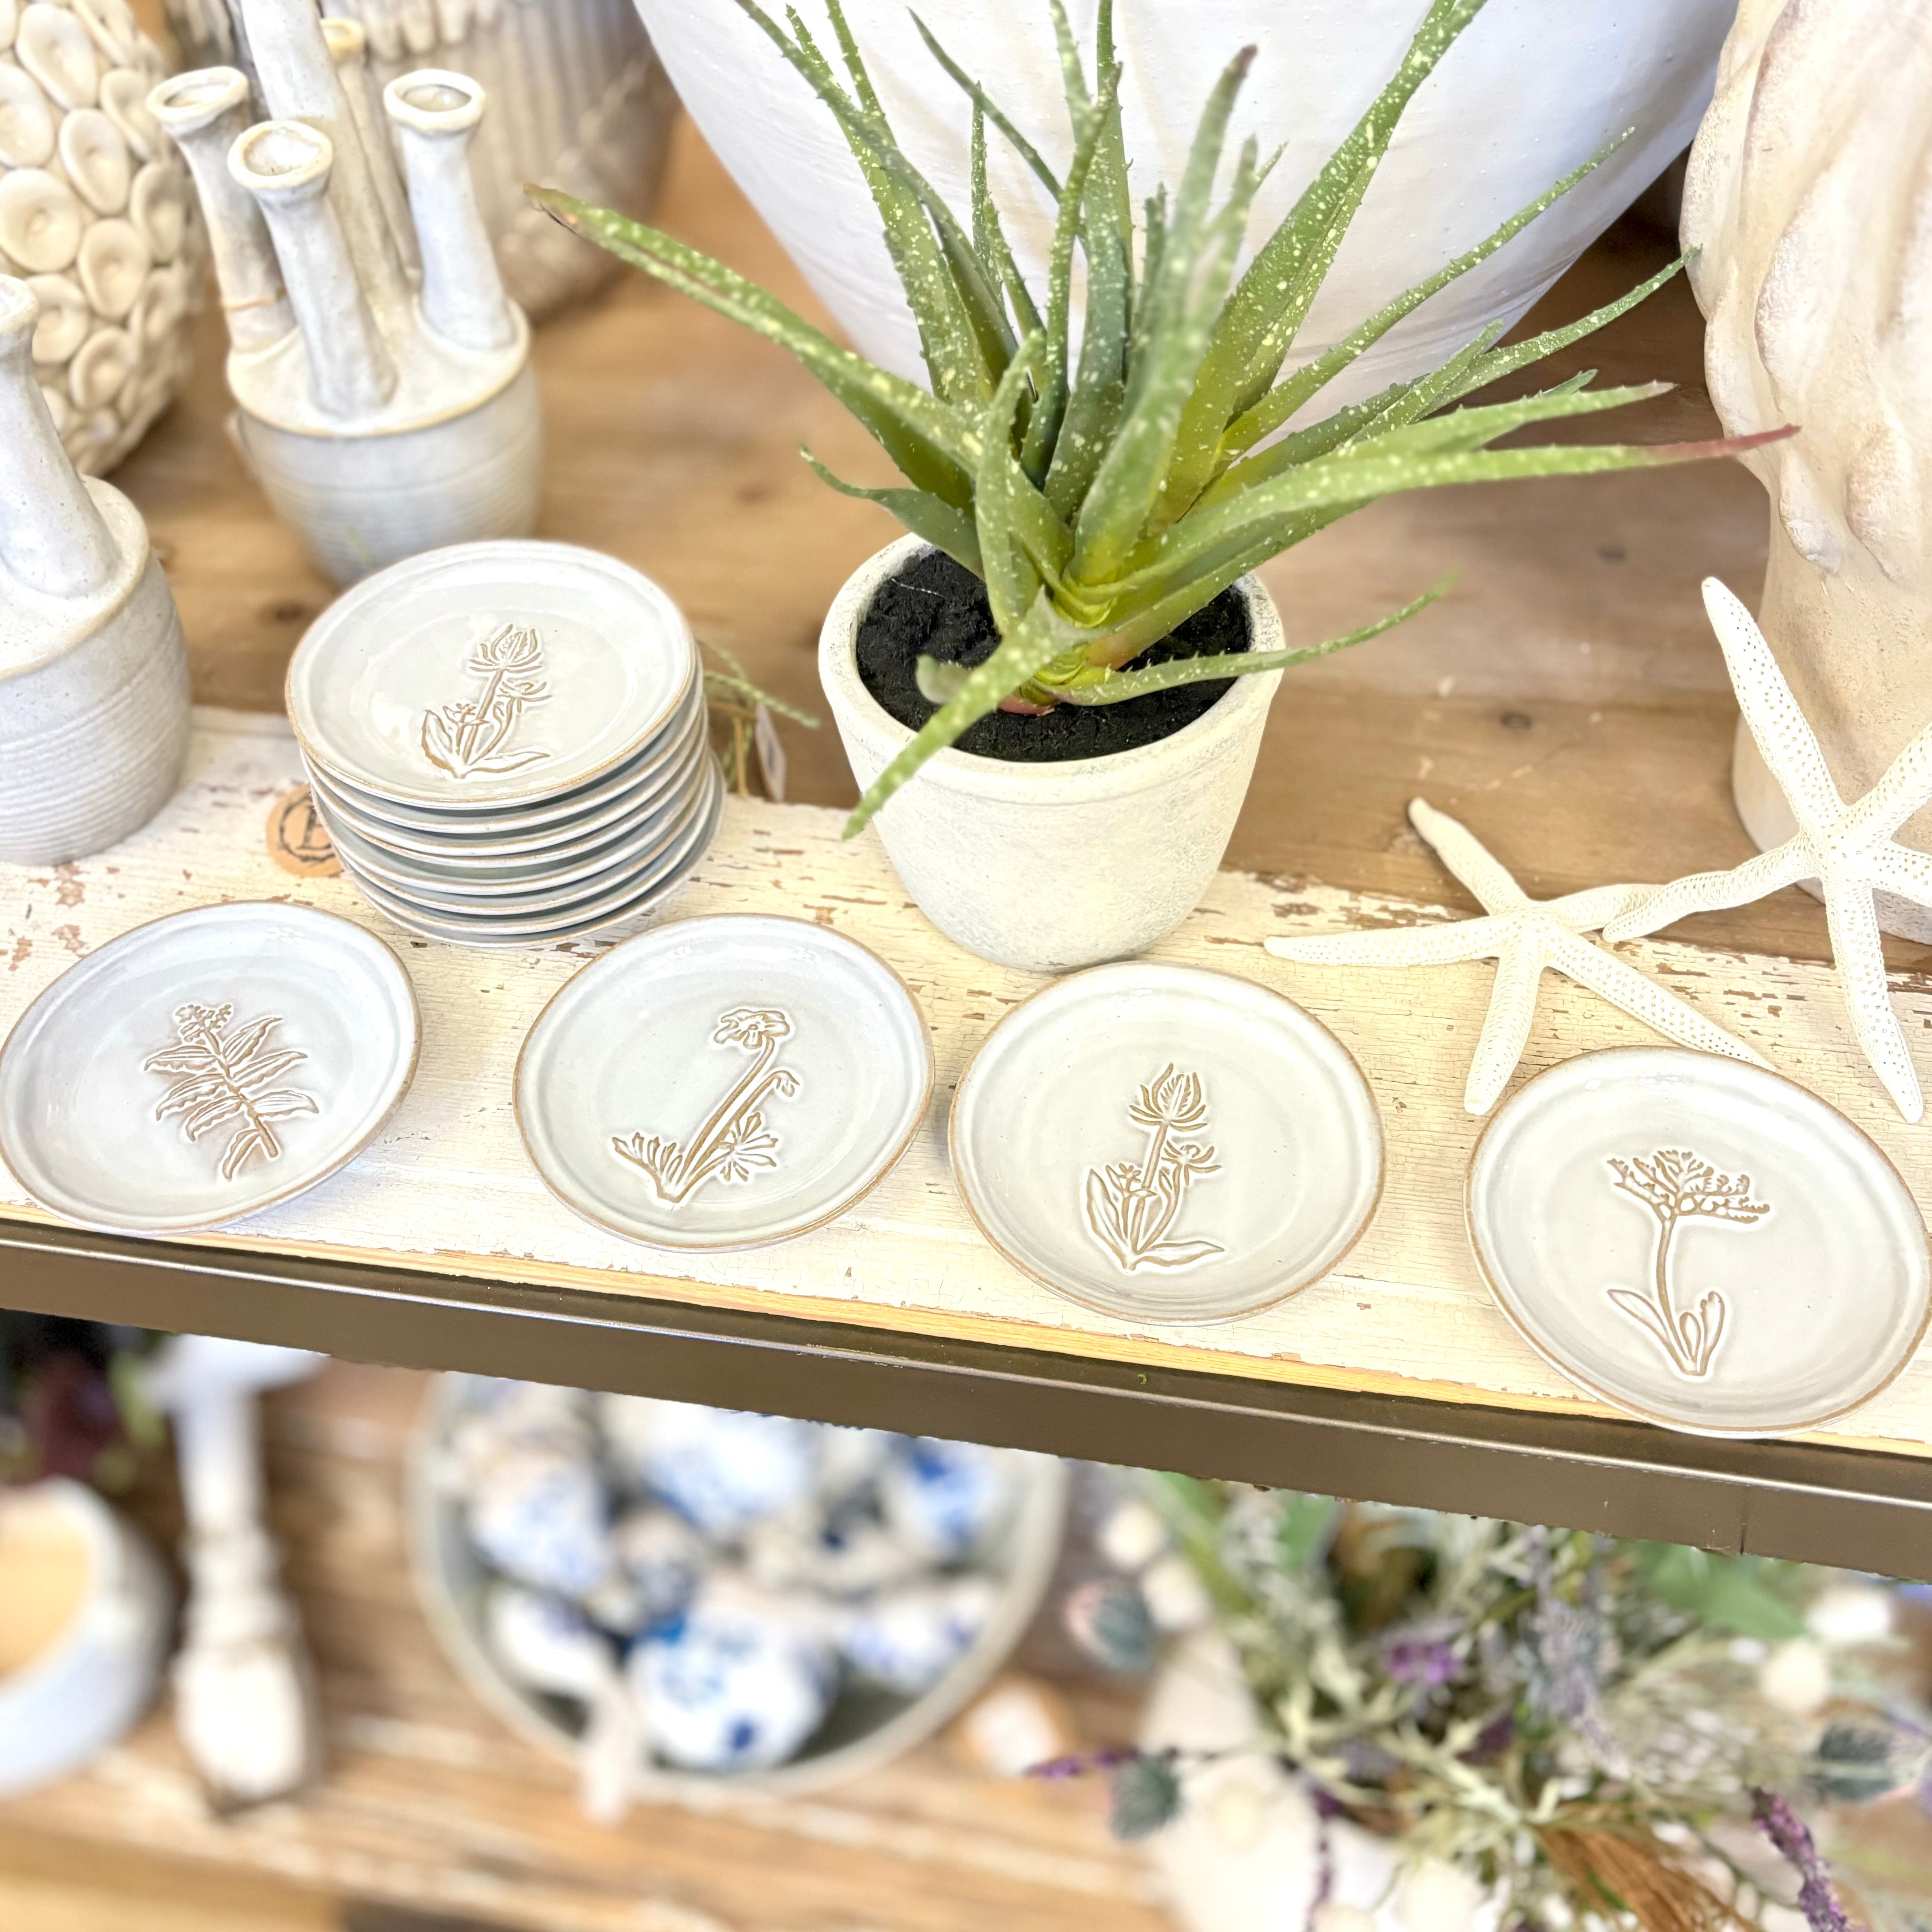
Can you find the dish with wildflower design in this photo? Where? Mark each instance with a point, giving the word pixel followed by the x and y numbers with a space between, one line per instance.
pixel 1259 1152
pixel 427 684
pixel 1777 1274
pixel 724 1082
pixel 205 1065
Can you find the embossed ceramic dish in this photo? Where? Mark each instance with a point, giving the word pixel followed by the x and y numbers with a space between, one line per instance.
pixel 202 1067
pixel 508 741
pixel 490 675
pixel 626 789
pixel 1166 1144
pixel 1699 1242
pixel 724 1082
pixel 572 909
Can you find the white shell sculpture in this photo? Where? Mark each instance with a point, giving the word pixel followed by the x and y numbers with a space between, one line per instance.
pixel 387 404
pixel 96 215
pixel 1809 199
pixel 1526 938
pixel 580 102
pixel 93 683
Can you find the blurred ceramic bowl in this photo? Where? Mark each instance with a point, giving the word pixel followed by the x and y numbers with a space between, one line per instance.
pixel 869 1725
pixel 85 1688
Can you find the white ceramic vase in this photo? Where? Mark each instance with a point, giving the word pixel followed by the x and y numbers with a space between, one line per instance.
pixel 1247 1852
pixel 96 214
pixel 87 1688
pixel 1808 200
pixel 579 102
pixel 386 402
pixel 94 680
pixel 1049 867
pixel 1529 92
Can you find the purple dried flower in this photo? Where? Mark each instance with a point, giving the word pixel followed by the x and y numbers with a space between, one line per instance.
pixel 1426 1662
pixel 1787 1832
pixel 1083 1764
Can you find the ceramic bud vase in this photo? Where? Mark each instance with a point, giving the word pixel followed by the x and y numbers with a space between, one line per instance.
pixel 579 102
pixel 94 682
pixel 1047 867
pixel 386 402
pixel 97 216
pixel 1809 203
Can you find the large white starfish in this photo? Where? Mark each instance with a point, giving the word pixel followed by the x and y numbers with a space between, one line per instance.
pixel 1849 849
pixel 1524 937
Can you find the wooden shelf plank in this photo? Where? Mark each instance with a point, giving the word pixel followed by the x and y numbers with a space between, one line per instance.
pixel 446 1189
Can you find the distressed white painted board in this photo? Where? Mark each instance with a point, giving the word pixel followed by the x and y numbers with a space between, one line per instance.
pixel 447 1187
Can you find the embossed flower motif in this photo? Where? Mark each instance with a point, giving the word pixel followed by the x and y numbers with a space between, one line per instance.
pixel 1170 1099
pixel 753 1028
pixel 513 647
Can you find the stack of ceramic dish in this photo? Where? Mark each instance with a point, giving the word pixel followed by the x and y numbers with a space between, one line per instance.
pixel 508 741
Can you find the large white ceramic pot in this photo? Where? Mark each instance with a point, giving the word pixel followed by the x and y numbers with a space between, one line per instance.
pixel 1249 1851
pixel 1530 91
pixel 1807 200
pixel 1047 867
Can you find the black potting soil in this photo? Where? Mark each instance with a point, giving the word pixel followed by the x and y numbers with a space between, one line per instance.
pixel 932 607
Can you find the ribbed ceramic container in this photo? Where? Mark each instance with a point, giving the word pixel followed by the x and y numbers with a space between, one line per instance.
pixel 1529 91
pixel 1047 867
pixel 94 678
pixel 97 1678
pixel 361 503
pixel 97 214
pixel 580 102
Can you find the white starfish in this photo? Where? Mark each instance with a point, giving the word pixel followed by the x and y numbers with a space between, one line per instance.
pixel 1849 849
pixel 1524 937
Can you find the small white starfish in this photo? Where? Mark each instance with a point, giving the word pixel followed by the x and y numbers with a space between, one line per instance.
pixel 1849 849
pixel 1524 937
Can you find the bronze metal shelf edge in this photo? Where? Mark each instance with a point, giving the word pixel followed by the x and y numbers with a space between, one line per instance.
pixel 1814 1501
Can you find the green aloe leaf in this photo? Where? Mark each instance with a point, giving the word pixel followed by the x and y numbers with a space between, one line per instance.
pixel 925 515
pixel 978 95
pixel 1197 261
pixel 1283 401
pixel 936 446
pixel 1012 564
pixel 1179 671
pixel 1267 307
pixel 989 237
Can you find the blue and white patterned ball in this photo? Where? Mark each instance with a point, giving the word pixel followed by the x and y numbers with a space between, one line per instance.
pixel 539 1512
pixel 663 1560
pixel 547 1643
pixel 722 1469
pixel 739 1685
pixel 907 1639
pixel 943 1498
pixel 847 1553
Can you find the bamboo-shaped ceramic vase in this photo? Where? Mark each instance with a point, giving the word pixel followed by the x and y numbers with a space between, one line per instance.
pixel 94 684
pixel 578 101
pixel 385 400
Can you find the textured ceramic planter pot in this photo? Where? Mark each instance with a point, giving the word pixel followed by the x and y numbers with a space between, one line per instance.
pixel 1528 93
pixel 1047 867
pixel 1816 282
pixel 94 680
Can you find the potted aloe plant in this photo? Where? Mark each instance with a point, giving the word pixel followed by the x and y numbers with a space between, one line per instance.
pixel 1070 646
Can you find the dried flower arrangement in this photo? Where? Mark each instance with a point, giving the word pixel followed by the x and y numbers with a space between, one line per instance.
pixel 1106 490
pixel 1592 1731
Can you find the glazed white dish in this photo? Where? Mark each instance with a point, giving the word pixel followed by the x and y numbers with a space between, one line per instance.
pixel 1698 1242
pixel 626 788
pixel 1167 1145
pixel 200 1068
pixel 724 1082
pixel 640 891
pixel 577 662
